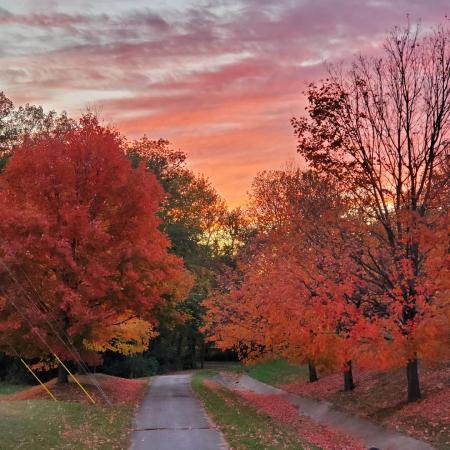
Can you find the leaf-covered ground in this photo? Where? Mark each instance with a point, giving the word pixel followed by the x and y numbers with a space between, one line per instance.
pixel 323 436
pixel 245 426
pixel 116 389
pixel 30 421
pixel 380 397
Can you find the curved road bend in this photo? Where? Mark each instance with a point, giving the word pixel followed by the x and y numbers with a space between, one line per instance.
pixel 374 436
pixel 172 418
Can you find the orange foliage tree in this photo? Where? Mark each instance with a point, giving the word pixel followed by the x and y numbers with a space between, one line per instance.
pixel 381 131
pixel 296 295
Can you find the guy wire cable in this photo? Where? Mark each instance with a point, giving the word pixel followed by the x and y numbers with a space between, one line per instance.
pixel 69 344
pixel 32 373
pixel 70 348
pixel 40 337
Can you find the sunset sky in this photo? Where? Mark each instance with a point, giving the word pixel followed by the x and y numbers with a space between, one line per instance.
pixel 219 79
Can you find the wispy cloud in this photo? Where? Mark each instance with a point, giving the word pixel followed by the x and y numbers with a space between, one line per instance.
pixel 221 79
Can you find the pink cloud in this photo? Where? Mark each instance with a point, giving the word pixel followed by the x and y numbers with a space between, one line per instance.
pixel 221 84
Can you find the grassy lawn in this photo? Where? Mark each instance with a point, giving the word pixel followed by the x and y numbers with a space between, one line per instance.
pixel 7 389
pixel 277 372
pixel 44 424
pixel 28 421
pixel 232 366
pixel 243 426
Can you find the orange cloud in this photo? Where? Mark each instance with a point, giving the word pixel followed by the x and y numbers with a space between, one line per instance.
pixel 220 82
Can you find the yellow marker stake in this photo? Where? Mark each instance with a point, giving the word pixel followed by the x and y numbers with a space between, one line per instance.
pixel 40 382
pixel 74 379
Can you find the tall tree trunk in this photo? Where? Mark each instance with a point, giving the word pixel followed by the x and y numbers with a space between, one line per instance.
pixel 312 372
pixel 202 354
pixel 180 351
pixel 194 352
pixel 412 375
pixel 349 385
pixel 62 375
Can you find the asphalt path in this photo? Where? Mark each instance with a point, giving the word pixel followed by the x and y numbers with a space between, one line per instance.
pixel 172 418
pixel 323 412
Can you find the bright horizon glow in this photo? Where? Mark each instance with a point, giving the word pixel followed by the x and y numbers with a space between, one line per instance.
pixel 219 80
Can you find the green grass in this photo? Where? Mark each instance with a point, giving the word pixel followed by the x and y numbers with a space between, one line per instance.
pixel 43 425
pixel 243 426
pixel 231 366
pixel 6 389
pixel 277 372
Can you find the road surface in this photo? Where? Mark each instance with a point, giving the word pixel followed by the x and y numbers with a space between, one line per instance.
pixel 323 412
pixel 172 418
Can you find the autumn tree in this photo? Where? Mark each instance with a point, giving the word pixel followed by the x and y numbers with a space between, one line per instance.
pixel 196 219
pixel 293 292
pixel 83 264
pixel 27 122
pixel 381 130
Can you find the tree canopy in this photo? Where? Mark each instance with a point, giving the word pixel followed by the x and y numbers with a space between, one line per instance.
pixel 83 262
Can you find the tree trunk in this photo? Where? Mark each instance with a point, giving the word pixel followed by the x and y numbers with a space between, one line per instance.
pixel 412 375
pixel 202 354
pixel 179 352
pixel 349 385
pixel 194 352
pixel 62 375
pixel 312 372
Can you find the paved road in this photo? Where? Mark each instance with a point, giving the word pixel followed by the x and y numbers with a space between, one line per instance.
pixel 171 418
pixel 323 412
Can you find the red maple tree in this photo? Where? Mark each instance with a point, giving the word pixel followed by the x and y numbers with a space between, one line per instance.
pixel 81 255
